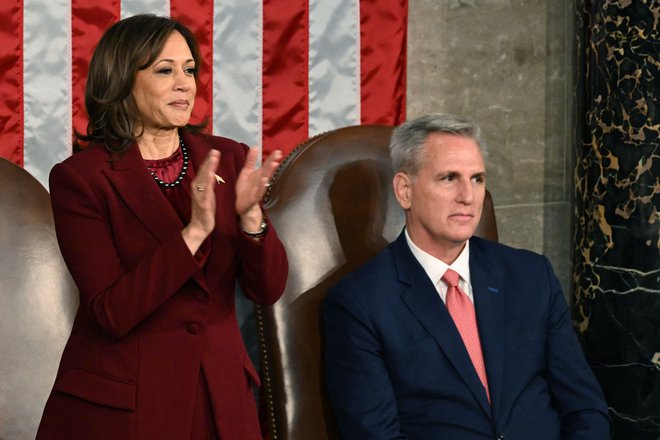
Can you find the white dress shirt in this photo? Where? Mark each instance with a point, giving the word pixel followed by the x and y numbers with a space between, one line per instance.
pixel 436 268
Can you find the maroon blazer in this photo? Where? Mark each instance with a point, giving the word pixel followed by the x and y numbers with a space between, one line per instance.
pixel 150 315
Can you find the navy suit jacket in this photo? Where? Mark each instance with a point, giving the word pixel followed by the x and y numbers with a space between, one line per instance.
pixel 396 367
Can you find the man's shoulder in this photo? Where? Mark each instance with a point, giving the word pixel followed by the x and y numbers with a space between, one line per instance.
pixel 494 250
pixel 508 261
pixel 372 276
pixel 382 261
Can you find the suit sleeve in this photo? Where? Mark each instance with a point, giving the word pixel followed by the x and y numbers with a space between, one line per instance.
pixel 577 394
pixel 356 376
pixel 117 298
pixel 264 266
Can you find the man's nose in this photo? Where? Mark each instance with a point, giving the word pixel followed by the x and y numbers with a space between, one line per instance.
pixel 465 192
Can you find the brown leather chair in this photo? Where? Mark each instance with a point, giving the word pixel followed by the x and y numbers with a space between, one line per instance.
pixel 332 204
pixel 38 300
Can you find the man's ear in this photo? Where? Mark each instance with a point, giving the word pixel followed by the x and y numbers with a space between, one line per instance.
pixel 402 189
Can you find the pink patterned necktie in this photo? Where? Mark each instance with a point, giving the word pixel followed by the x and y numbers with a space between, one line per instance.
pixel 461 310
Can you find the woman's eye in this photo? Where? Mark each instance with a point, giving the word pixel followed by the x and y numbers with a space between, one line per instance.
pixel 164 71
pixel 191 70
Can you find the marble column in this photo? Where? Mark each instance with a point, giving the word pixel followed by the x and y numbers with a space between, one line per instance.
pixel 617 178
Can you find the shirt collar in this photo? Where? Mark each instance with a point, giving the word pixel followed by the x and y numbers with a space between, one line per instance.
pixel 436 268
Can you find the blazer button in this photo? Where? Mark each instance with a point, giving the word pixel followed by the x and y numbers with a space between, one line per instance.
pixel 192 328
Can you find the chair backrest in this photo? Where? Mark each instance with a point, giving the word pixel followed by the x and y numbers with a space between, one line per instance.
pixel 332 204
pixel 38 300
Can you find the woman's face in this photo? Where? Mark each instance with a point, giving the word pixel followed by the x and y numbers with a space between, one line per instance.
pixel 164 92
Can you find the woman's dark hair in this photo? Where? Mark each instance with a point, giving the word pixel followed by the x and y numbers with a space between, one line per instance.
pixel 129 45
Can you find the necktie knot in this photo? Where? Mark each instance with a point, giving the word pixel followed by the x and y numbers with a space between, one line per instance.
pixel 451 278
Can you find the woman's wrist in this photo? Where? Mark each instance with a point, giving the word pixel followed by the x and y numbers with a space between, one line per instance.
pixel 193 237
pixel 261 233
pixel 253 223
pixel 252 219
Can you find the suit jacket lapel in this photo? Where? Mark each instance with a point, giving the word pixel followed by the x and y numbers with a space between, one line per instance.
pixel 422 298
pixel 225 218
pixel 488 291
pixel 142 196
pixel 224 192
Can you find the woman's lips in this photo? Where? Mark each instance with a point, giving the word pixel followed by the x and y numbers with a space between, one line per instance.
pixel 180 103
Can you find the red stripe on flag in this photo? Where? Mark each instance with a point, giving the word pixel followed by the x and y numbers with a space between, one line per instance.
pixel 11 80
pixel 89 20
pixel 383 31
pixel 197 15
pixel 285 74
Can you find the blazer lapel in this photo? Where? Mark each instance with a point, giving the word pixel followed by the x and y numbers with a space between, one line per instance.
pixel 225 218
pixel 142 196
pixel 224 192
pixel 488 291
pixel 422 298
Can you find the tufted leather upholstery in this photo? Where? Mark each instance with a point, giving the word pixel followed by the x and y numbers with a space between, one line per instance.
pixel 37 302
pixel 332 205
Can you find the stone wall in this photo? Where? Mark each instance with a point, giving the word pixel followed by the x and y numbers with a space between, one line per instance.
pixel 510 66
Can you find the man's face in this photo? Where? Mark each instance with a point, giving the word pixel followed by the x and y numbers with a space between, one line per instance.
pixel 443 202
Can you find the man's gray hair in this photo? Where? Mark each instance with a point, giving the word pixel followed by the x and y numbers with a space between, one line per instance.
pixel 408 139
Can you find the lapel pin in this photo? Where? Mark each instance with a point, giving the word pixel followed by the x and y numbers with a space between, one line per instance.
pixel 494 290
pixel 219 179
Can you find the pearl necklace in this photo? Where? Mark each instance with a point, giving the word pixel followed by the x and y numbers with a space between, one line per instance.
pixel 182 173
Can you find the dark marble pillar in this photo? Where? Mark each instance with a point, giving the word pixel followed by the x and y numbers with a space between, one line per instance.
pixel 617 252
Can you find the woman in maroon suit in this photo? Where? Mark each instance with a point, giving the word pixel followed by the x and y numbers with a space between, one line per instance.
pixel 157 222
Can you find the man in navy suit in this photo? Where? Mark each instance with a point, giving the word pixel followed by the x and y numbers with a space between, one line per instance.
pixel 404 361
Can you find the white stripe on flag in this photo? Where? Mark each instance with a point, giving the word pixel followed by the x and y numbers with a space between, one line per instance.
pixel 334 72
pixel 334 64
pixel 237 67
pixel 47 85
pixel 130 8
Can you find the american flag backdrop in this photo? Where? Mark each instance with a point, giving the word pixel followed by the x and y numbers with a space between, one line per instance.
pixel 275 72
